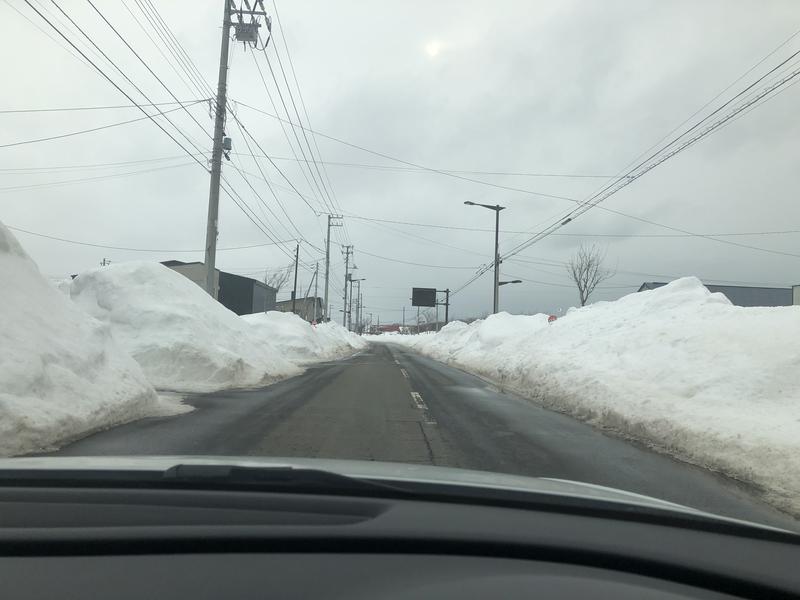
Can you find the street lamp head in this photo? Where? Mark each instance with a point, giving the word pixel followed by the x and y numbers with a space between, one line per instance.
pixel 469 203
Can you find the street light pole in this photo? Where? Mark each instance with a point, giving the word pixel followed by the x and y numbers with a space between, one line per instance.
pixel 496 286
pixel 496 260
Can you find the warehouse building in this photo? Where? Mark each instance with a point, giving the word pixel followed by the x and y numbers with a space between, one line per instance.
pixel 242 295
pixel 741 295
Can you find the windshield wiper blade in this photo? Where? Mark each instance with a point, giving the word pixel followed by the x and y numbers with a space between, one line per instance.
pixel 274 478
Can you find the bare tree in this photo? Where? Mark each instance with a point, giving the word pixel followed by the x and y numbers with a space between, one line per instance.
pixel 587 271
pixel 278 279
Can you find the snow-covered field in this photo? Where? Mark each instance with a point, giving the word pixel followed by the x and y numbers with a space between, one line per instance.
pixel 301 342
pixel 677 367
pixel 61 373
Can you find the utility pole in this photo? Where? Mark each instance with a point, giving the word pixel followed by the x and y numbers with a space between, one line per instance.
pixel 247 33
pixel 350 306
pixel 404 317
pixel 496 259
pixel 216 154
pixel 447 306
pixel 294 289
pixel 331 223
pixel 105 262
pixel 316 289
pixel 347 251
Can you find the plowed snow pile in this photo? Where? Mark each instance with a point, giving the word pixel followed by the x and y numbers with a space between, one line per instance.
pixel 61 374
pixel 183 339
pixel 677 367
pixel 302 342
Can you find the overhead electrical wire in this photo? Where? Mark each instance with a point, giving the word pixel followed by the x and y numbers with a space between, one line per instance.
pixel 193 74
pixel 112 82
pixel 416 264
pixel 302 101
pixel 93 129
pixel 125 76
pixel 668 151
pixel 171 63
pixel 325 190
pixel 133 249
pixel 305 172
pixel 231 192
pixel 88 179
pixel 146 66
pixel 166 35
pixel 107 107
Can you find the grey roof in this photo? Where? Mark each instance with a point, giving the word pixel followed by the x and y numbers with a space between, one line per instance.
pixel 742 295
pixel 177 263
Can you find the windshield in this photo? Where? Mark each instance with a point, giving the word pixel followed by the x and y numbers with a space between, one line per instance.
pixel 552 240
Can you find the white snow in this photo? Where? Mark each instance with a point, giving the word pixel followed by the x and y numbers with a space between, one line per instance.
pixel 677 367
pixel 183 339
pixel 302 342
pixel 61 374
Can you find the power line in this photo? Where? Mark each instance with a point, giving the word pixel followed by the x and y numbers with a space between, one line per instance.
pixel 405 262
pixel 188 66
pixel 299 118
pixel 255 141
pixel 578 235
pixel 88 179
pixel 47 34
pixel 411 164
pixel 641 170
pixel 111 81
pixel 107 107
pixel 321 196
pixel 100 128
pixel 156 45
pixel 124 75
pixel 130 249
pixel 146 66
pixel 264 177
pixel 308 120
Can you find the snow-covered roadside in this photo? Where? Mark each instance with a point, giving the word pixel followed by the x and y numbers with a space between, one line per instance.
pixel 677 367
pixel 62 375
pixel 183 339
pixel 299 341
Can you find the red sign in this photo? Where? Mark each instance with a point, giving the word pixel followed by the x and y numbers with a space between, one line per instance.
pixel 551 318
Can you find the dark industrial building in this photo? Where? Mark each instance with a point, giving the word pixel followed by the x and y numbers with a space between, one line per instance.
pixel 742 295
pixel 245 296
pixel 242 295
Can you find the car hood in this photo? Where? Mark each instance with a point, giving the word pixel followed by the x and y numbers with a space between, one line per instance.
pixel 373 470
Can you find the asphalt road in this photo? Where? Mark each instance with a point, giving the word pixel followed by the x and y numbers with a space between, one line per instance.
pixel 390 404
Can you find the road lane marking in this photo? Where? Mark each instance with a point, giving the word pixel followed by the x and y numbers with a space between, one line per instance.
pixel 397 362
pixel 420 404
pixel 404 372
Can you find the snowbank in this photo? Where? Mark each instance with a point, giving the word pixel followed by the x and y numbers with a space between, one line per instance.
pixel 677 367
pixel 61 374
pixel 182 338
pixel 299 341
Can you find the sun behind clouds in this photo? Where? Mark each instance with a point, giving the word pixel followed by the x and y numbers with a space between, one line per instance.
pixel 433 48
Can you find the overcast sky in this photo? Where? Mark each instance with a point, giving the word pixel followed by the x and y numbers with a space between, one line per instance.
pixel 539 88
